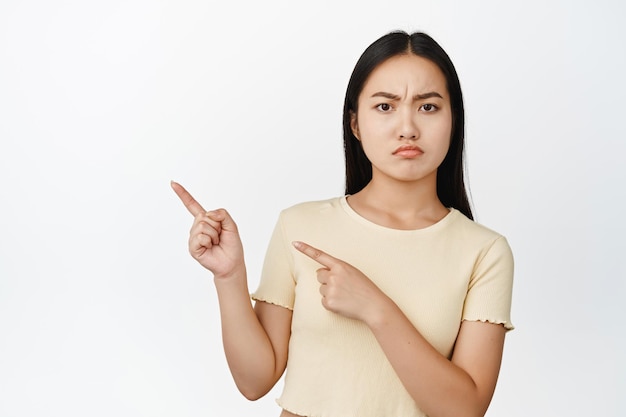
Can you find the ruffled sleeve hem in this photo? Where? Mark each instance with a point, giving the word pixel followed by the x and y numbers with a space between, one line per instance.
pixel 507 325
pixel 274 302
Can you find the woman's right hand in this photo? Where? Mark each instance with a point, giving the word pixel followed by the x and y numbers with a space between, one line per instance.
pixel 213 239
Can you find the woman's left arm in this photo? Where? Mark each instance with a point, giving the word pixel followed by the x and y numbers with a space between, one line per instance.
pixel 441 387
pixel 462 386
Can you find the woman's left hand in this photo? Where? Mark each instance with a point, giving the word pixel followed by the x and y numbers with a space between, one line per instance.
pixel 345 290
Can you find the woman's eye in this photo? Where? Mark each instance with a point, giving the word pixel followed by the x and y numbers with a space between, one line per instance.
pixel 384 107
pixel 429 107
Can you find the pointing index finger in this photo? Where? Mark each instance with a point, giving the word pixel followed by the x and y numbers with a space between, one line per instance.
pixel 192 205
pixel 317 255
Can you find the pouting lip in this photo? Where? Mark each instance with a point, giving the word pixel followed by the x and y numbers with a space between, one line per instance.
pixel 408 148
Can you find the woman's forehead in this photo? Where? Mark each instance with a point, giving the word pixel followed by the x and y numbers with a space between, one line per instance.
pixel 406 73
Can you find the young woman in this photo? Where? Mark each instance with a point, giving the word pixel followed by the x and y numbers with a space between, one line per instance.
pixel 389 301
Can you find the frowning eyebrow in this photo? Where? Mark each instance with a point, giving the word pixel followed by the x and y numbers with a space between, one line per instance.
pixel 391 96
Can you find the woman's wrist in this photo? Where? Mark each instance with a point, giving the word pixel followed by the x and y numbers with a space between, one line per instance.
pixel 379 312
pixel 235 279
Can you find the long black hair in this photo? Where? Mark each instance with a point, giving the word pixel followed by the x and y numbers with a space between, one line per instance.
pixel 450 183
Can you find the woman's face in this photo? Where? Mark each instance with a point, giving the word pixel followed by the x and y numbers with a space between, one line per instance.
pixel 404 119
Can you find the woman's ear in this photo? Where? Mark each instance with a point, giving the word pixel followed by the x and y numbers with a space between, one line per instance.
pixel 354 125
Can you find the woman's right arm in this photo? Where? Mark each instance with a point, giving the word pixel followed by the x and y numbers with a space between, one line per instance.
pixel 255 339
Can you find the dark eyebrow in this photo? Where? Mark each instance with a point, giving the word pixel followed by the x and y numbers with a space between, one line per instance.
pixel 424 96
pixel 427 95
pixel 386 95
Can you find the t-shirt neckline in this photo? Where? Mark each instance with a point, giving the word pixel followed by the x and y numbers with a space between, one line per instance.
pixel 343 201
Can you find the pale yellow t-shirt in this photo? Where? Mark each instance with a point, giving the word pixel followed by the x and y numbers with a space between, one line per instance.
pixel 451 271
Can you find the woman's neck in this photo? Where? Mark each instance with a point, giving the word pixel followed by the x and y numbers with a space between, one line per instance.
pixel 399 205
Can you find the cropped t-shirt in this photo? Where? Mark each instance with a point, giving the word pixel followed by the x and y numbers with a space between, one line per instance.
pixel 453 270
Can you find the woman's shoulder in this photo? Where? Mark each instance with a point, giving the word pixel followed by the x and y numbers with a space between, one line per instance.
pixel 312 208
pixel 474 230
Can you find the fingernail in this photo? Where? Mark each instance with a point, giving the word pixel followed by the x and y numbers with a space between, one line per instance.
pixel 296 244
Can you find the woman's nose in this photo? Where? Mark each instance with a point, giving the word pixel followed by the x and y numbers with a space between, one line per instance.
pixel 408 127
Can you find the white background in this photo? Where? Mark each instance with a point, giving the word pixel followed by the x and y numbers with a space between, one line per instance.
pixel 102 103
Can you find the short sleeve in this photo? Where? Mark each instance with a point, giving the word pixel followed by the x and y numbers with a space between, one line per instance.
pixel 491 285
pixel 277 284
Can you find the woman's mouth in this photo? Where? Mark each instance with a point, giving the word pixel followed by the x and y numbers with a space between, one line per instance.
pixel 408 151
